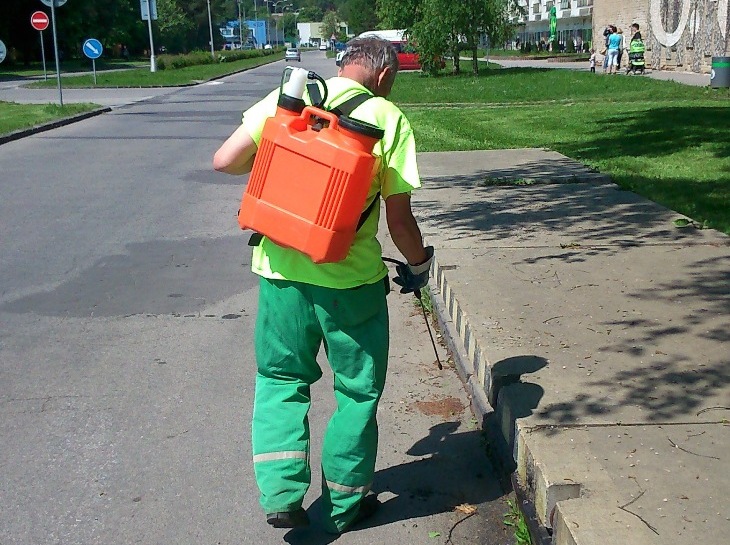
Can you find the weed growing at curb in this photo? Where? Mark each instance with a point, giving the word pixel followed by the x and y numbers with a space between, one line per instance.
pixel 425 301
pixel 516 520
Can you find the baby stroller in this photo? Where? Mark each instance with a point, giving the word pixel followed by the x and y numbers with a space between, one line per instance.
pixel 636 56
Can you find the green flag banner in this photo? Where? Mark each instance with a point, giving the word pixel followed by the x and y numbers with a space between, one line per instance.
pixel 553 24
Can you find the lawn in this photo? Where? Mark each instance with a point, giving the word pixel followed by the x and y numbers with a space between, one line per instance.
pixel 666 141
pixel 15 116
pixel 142 77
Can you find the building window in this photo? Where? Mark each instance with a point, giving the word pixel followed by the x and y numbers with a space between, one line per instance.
pixel 564 4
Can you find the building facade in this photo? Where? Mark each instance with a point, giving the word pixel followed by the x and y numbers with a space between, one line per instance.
pixel 679 34
pixel 575 22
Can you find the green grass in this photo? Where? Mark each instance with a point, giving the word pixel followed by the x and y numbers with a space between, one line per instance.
pixel 15 116
pixel 515 519
pixel 508 86
pixel 71 66
pixel 142 77
pixel 666 141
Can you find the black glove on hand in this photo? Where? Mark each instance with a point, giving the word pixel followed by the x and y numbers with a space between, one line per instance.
pixel 413 277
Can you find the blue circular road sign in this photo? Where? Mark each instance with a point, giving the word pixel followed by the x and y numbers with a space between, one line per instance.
pixel 93 48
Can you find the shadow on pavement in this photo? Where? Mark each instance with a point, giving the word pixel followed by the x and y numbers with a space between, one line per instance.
pixel 451 469
pixel 155 278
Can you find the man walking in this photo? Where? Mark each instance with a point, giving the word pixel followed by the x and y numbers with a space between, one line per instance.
pixel 342 305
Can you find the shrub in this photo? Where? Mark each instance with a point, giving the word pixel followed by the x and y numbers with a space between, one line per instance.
pixel 570 46
pixel 195 58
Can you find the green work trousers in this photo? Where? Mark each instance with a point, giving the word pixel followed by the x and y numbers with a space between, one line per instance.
pixel 294 320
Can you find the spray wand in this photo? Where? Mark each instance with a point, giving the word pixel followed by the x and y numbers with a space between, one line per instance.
pixel 419 297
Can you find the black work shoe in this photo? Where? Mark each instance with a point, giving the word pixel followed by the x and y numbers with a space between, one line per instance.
pixel 288 519
pixel 367 508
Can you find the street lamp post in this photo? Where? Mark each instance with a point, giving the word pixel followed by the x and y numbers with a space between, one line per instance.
pixel 284 4
pixel 240 24
pixel 210 26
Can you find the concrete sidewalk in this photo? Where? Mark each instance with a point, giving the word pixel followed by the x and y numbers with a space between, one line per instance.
pixel 599 333
pixel 687 78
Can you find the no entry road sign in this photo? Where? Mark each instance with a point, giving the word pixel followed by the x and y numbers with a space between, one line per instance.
pixel 39 20
pixel 92 48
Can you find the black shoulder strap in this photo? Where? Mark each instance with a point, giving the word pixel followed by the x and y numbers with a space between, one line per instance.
pixel 366 214
pixel 348 106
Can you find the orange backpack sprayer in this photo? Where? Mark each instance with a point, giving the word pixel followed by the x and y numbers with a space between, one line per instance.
pixel 311 175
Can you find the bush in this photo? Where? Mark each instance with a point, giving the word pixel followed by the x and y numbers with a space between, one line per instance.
pixel 528 48
pixel 570 46
pixel 196 58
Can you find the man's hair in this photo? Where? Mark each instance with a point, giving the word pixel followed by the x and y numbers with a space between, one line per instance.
pixel 635 25
pixel 372 53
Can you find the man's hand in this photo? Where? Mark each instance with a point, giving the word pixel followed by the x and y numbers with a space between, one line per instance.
pixel 414 277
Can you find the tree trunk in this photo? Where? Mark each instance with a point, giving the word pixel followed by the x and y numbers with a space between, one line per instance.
pixel 456 52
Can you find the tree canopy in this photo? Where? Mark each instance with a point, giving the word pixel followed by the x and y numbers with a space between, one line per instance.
pixel 437 27
pixel 441 27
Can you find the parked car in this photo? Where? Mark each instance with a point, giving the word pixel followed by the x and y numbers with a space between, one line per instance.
pixel 292 54
pixel 323 46
pixel 268 46
pixel 407 56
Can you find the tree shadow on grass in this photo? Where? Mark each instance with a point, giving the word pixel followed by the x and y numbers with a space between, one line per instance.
pixel 656 132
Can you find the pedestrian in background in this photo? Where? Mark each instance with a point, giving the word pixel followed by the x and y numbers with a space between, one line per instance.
pixel 303 305
pixel 614 45
pixel 621 48
pixel 592 61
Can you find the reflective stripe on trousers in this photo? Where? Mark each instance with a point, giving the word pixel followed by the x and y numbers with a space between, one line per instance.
pixel 283 455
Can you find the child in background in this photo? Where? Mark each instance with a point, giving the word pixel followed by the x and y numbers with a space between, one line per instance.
pixel 592 61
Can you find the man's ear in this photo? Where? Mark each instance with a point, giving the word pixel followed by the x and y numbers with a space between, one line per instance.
pixel 384 75
pixel 384 82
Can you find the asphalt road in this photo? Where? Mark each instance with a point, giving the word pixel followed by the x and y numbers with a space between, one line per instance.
pixel 126 358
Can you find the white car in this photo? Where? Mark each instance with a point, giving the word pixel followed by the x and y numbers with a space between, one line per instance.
pixel 292 54
pixel 323 46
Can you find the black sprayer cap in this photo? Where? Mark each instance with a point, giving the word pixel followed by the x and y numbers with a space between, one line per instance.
pixel 361 127
pixel 290 103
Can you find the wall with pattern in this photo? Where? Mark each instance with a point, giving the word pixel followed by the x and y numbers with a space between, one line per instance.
pixel 679 34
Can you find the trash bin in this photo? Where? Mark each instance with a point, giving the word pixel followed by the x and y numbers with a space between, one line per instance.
pixel 720 75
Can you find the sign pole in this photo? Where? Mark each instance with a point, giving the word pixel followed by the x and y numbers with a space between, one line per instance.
pixel 43 57
pixel 153 62
pixel 93 67
pixel 55 48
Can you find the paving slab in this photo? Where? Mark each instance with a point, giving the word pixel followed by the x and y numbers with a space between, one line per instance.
pixel 581 311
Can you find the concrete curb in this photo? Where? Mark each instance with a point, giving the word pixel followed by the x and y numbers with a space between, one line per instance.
pixel 479 403
pixel 451 320
pixel 22 133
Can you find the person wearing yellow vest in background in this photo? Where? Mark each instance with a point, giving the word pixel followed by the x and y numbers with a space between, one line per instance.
pixel 303 305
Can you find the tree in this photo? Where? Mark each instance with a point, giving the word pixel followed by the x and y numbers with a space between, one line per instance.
pixel 359 14
pixel 289 27
pixel 173 25
pixel 330 24
pixel 307 15
pixel 399 14
pixel 441 26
